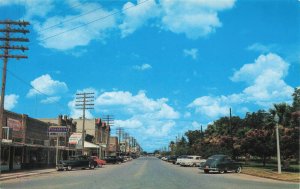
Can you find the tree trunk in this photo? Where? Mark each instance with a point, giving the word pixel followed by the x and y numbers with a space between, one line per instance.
pixel 264 161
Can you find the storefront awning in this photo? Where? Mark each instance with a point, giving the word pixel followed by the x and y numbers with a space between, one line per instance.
pixel 90 145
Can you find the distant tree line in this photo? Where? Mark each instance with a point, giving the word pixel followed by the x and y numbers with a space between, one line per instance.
pixel 253 135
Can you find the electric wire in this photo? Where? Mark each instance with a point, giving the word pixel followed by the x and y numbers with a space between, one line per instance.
pixel 102 18
pixel 68 20
pixel 26 83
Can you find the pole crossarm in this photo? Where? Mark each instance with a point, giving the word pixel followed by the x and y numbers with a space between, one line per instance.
pixel 14 39
pixel 14 47
pixel 12 22
pixel 10 30
pixel 13 56
pixel 83 105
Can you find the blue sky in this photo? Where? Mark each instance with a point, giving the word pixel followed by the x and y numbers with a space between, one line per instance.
pixel 160 67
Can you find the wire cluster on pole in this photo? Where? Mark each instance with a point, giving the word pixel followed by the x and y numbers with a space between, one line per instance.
pixel 10 28
pixel 109 119
pixel 84 101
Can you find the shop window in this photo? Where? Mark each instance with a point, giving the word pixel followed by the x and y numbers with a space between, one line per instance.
pixel 7 133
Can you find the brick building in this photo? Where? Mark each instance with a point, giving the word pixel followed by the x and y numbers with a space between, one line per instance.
pixel 25 142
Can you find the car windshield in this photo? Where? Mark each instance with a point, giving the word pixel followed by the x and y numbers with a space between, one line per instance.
pixel 132 92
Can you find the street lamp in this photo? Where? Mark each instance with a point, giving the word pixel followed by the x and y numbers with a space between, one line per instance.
pixel 276 119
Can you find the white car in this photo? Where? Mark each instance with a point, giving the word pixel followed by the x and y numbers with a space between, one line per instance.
pixel 192 161
pixel 180 159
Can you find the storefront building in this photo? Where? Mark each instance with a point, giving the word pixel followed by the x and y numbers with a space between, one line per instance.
pixel 25 143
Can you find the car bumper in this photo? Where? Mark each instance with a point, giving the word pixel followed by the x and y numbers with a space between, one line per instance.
pixel 60 167
pixel 209 168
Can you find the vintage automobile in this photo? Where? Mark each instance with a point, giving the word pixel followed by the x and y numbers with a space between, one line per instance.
pixel 100 162
pixel 81 161
pixel 180 159
pixel 192 161
pixel 114 159
pixel 221 164
pixel 172 159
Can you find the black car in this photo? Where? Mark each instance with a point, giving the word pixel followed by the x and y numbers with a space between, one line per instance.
pixel 114 159
pixel 76 162
pixel 221 164
pixel 172 159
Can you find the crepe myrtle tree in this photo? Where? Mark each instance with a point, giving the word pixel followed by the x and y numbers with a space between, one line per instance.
pixel 260 143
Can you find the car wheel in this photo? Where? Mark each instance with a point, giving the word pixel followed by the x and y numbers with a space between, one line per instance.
pixel 58 169
pixel 194 165
pixel 92 166
pixel 206 171
pixel 238 170
pixel 221 171
pixel 69 168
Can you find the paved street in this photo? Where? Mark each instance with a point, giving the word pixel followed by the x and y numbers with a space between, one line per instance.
pixel 146 173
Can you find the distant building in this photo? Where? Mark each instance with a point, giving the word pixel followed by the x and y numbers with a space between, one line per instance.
pixel 97 134
pixel 113 146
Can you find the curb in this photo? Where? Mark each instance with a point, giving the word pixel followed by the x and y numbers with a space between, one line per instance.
pixel 277 179
pixel 3 178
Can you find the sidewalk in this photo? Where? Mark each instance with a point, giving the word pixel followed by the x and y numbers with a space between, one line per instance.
pixel 24 173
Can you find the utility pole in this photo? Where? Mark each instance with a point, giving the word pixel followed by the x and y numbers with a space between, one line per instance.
pixel 125 136
pixel 84 101
pixel 119 132
pixel 18 27
pixel 109 119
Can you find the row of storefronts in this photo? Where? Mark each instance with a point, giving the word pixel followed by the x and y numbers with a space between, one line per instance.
pixel 26 142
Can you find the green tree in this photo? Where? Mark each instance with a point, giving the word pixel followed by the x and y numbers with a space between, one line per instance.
pixel 259 142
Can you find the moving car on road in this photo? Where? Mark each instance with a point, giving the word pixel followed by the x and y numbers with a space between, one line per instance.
pixel 76 162
pixel 221 164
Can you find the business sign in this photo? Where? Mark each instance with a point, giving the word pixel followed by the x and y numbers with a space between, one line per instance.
pixel 75 138
pixel 57 131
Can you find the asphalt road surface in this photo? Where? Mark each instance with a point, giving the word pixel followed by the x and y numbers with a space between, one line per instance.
pixel 143 173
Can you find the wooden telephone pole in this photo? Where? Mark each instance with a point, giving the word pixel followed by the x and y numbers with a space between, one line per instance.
pixel 10 27
pixel 109 119
pixel 84 101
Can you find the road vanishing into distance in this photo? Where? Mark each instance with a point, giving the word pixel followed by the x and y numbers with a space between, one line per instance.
pixel 143 173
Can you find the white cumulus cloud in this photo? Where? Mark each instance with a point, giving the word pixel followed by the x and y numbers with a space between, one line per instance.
pixel 265 87
pixel 10 101
pixel 45 85
pixel 194 18
pixel 142 67
pixel 51 100
pixel 67 36
pixel 135 16
pixel 193 53
pixel 265 78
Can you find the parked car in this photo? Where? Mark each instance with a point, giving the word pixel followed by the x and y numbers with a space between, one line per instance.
pixel 100 162
pixel 180 159
pixel 114 159
pixel 172 159
pixel 221 164
pixel 76 162
pixel 192 161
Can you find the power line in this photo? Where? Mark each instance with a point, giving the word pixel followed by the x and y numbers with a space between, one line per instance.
pixel 26 83
pixel 68 20
pixel 102 18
